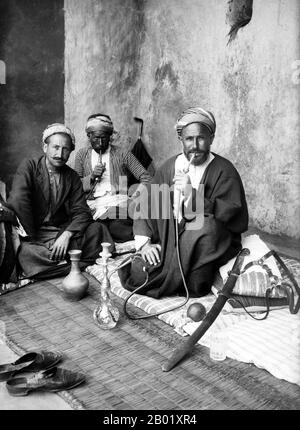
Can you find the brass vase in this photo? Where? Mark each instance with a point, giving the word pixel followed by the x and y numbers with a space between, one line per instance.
pixel 75 284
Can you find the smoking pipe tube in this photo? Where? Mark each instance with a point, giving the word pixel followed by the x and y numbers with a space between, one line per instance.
pixel 223 296
pixel 97 179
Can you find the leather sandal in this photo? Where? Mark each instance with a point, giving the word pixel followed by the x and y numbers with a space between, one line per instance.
pixel 53 380
pixel 31 362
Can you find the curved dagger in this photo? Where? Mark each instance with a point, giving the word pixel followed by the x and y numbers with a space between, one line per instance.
pixel 223 296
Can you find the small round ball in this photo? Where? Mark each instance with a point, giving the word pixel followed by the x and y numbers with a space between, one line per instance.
pixel 196 312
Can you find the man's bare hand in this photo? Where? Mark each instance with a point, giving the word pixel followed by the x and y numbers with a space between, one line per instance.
pixel 60 246
pixel 151 253
pixel 98 171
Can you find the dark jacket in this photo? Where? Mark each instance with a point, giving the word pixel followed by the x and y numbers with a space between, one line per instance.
pixel 30 198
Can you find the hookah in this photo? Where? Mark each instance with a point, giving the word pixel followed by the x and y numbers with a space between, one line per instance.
pixel 106 314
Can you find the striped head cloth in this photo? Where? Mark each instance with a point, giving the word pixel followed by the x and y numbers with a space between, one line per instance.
pixel 99 123
pixel 196 114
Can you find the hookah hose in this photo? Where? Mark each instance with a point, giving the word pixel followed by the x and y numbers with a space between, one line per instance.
pixel 138 255
pixel 90 195
pixel 147 277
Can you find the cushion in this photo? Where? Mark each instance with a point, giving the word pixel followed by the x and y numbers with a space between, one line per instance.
pixel 252 303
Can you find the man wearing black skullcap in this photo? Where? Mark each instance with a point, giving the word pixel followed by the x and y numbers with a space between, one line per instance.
pixel 209 235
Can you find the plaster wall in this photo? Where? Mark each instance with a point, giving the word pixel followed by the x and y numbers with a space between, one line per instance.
pixel 152 59
pixel 103 46
pixel 32 48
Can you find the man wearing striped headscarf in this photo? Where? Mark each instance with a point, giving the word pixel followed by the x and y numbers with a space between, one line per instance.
pixel 104 166
pixel 194 175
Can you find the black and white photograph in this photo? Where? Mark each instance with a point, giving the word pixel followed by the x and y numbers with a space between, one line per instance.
pixel 149 208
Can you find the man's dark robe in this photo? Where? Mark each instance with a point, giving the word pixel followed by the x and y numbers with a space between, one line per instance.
pixel 30 199
pixel 202 251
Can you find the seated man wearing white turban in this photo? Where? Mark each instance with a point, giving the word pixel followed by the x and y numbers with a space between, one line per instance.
pixel 48 199
pixel 202 248
pixel 102 166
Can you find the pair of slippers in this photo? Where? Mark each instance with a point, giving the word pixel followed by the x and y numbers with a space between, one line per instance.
pixel 43 374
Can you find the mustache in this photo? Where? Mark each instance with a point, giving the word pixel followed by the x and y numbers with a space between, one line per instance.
pixel 101 145
pixel 195 151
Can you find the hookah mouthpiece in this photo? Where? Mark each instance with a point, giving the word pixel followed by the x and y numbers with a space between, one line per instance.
pixel 186 170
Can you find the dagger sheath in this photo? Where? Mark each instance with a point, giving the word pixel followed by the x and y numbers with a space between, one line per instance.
pixel 223 296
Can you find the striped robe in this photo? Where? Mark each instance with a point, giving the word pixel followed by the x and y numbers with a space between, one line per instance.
pixel 122 162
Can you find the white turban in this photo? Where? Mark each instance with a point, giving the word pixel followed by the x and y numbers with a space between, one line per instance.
pixel 99 123
pixel 58 128
pixel 196 114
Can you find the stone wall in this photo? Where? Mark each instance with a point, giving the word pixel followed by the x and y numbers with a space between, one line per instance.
pixel 154 58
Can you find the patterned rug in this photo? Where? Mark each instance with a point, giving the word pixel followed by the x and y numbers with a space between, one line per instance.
pixel 123 365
